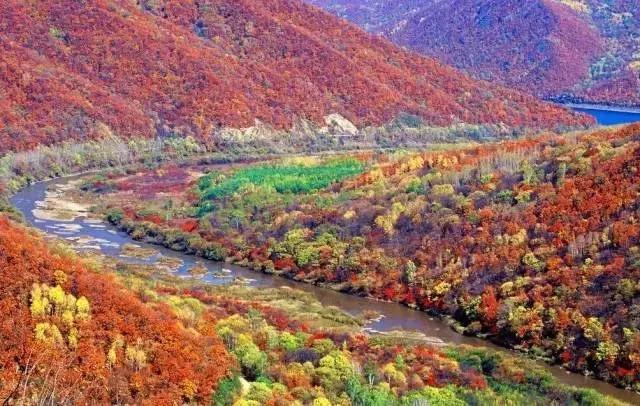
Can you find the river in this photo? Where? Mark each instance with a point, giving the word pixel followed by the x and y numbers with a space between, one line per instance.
pixel 605 115
pixel 101 236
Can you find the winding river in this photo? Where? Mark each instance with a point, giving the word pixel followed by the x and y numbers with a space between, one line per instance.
pixel 90 234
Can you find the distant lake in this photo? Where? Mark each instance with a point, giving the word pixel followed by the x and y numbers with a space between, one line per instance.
pixel 609 116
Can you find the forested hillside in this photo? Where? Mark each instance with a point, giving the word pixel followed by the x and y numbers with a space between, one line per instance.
pixel 70 335
pixel 533 243
pixel 586 49
pixel 77 70
pixel 75 332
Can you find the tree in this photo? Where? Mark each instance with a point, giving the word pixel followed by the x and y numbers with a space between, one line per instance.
pixel 252 360
pixel 410 269
pixel 333 371
pixel 227 391
pixel 489 306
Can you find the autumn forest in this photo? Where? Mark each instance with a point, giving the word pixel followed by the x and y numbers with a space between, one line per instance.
pixel 256 202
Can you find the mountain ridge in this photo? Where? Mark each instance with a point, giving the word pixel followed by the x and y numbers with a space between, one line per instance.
pixel 582 50
pixel 85 70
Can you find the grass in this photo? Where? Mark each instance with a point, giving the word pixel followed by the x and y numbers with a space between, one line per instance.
pixel 294 177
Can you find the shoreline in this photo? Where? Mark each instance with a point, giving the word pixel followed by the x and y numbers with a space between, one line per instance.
pixel 561 374
pixel 600 107
pixel 557 370
pixel 487 340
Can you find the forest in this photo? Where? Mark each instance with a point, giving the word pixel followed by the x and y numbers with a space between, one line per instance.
pixel 193 193
pixel 93 330
pixel 580 50
pixel 531 243
pixel 73 335
pixel 165 68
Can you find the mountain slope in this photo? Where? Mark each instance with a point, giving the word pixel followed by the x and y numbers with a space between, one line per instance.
pixel 70 335
pixel 534 243
pixel 78 70
pixel 585 48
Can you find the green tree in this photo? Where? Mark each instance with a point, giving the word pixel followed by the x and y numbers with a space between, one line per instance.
pixel 410 269
pixel 252 360
pixel 228 390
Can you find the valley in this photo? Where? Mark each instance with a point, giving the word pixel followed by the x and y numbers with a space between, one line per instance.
pixel 45 207
pixel 256 202
pixel 165 223
pixel 578 49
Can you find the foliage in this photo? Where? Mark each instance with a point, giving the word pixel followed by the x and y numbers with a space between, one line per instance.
pixel 281 178
pixel 227 390
pixel 585 49
pixel 194 68
pixel 167 349
pixel 57 313
pixel 71 335
pixel 550 274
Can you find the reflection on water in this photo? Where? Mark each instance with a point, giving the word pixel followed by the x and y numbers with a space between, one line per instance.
pixel 89 234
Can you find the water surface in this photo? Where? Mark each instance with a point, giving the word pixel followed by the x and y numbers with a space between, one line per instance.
pixel 108 240
pixel 609 116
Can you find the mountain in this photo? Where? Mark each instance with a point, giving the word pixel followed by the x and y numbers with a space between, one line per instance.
pixel 587 49
pixel 76 69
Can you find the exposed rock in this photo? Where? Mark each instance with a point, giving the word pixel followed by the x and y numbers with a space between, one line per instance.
pixel 340 126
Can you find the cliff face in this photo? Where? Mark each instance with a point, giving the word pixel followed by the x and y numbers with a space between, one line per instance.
pixel 78 70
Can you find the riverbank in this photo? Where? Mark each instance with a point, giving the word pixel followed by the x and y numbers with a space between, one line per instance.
pixel 601 107
pixel 396 317
pixel 158 206
pixel 567 376
pixel 264 345
pixel 403 315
